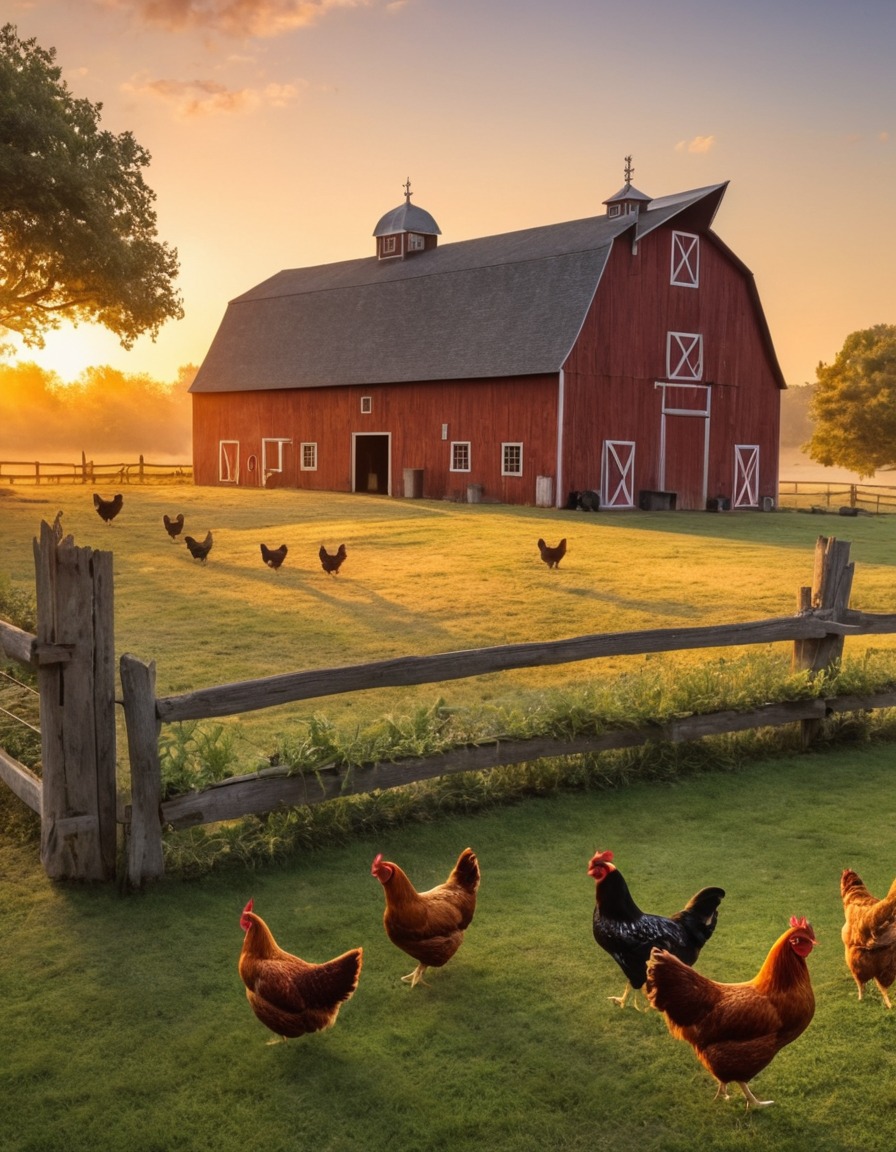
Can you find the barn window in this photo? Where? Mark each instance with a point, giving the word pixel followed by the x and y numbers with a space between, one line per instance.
pixel 416 242
pixel 460 456
pixel 229 461
pixel 388 245
pixel 308 456
pixel 511 459
pixel 366 405
pixel 685 260
pixel 614 210
pixel 684 356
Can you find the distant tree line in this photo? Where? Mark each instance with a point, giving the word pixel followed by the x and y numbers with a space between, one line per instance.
pixel 103 412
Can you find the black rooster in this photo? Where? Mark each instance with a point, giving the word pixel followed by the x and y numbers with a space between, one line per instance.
pixel 330 563
pixel 628 934
pixel 108 509
pixel 174 527
pixel 273 557
pixel 552 556
pixel 199 549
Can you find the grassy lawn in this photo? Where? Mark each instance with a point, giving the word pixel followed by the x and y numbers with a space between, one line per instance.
pixel 127 1023
pixel 127 1028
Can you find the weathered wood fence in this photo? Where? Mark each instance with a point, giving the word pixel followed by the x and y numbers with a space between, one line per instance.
pixel 72 653
pixel 89 472
pixel 834 496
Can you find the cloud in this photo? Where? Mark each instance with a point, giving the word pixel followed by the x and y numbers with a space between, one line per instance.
pixel 698 144
pixel 233 17
pixel 884 137
pixel 191 98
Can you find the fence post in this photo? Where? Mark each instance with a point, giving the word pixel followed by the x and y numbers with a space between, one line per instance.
pixel 75 655
pixel 830 592
pixel 145 860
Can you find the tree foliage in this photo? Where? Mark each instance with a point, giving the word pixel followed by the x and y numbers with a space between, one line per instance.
pixel 854 404
pixel 77 223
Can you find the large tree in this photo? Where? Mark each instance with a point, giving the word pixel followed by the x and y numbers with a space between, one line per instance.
pixel 854 404
pixel 77 224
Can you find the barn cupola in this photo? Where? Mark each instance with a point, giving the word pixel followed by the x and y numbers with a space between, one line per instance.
pixel 405 231
pixel 628 200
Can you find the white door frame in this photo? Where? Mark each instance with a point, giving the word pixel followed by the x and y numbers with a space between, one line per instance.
pixel 746 476
pixel 698 413
pixel 622 454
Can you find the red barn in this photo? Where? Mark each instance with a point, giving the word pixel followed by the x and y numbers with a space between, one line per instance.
pixel 625 353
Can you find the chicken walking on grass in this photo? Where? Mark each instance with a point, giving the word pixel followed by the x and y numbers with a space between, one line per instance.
pixel 107 510
pixel 273 557
pixel 628 934
pixel 430 925
pixel 330 562
pixel 289 995
pixel 736 1030
pixel 552 556
pixel 869 934
pixel 199 549
pixel 174 526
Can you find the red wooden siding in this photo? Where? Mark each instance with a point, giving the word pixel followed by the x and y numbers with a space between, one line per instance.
pixel 484 413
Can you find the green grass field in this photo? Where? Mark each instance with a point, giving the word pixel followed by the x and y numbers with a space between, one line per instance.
pixel 126 1021
pixel 127 1027
pixel 422 577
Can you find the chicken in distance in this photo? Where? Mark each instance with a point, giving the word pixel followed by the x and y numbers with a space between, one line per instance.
pixel 108 509
pixel 331 563
pixel 174 527
pixel 199 549
pixel 273 557
pixel 552 556
pixel 289 995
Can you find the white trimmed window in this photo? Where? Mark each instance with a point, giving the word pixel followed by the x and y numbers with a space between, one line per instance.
pixel 511 459
pixel 308 456
pixel 388 245
pixel 416 243
pixel 685 260
pixel 460 455
pixel 366 405
pixel 684 356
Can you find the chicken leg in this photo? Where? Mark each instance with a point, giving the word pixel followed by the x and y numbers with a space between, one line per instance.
pixel 416 977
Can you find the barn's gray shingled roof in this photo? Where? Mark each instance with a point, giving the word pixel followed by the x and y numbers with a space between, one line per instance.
pixel 507 305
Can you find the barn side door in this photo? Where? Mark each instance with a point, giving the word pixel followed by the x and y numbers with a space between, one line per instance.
pixel 684 442
pixel 746 476
pixel 617 474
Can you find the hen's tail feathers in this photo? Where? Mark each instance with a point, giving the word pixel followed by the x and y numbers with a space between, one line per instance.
pixel 346 971
pixel 701 913
pixel 466 870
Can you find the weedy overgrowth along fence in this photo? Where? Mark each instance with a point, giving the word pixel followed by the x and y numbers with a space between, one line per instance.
pixel 88 472
pixel 73 654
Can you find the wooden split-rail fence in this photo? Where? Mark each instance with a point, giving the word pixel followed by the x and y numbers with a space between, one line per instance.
pixel 73 654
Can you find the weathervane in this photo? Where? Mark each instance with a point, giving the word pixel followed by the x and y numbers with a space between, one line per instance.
pixel 407 190
pixel 629 171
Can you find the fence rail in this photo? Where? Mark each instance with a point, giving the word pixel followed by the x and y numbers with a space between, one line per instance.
pixel 827 495
pixel 87 471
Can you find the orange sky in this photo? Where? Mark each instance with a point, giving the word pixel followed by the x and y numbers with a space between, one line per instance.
pixel 281 130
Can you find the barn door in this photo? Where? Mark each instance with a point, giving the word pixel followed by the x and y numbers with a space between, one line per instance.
pixel 229 461
pixel 684 443
pixel 746 476
pixel 371 465
pixel 617 474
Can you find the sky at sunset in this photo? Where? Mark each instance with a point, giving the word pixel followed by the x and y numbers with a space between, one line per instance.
pixel 281 130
